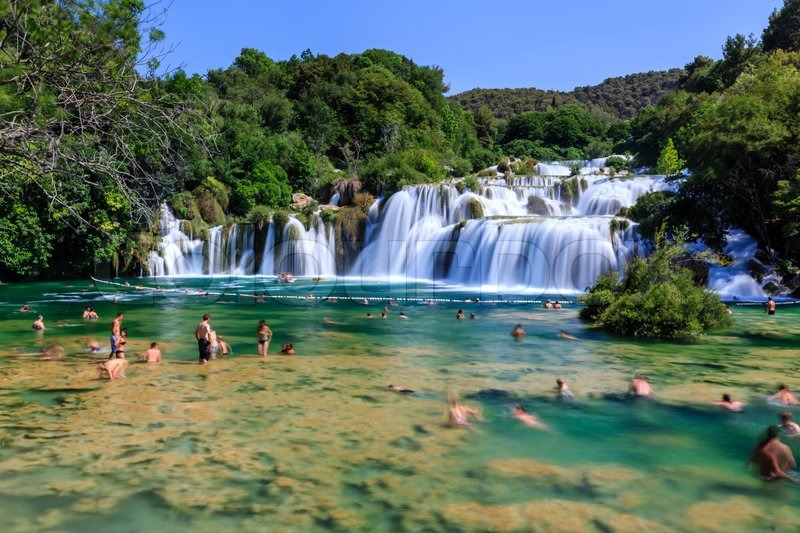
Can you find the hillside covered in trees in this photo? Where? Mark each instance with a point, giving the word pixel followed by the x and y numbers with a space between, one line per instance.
pixel 615 98
pixel 93 138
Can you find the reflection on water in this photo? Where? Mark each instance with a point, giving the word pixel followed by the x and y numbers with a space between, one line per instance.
pixel 315 441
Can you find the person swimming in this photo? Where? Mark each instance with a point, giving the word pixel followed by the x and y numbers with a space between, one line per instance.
pixel 518 332
pixel 522 414
pixel 398 388
pixel 562 389
pixel 640 386
pixel 459 414
pixel 731 405
pixel 783 397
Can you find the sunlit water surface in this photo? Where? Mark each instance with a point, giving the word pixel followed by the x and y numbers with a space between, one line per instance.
pixel 316 442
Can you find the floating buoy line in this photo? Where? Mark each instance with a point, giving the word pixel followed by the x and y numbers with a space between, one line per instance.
pixel 311 297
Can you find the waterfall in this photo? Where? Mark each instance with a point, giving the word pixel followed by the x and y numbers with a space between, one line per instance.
pixel 550 232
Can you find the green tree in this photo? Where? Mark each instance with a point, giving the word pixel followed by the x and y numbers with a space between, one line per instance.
pixel 80 122
pixel 783 30
pixel 669 162
pixel 657 297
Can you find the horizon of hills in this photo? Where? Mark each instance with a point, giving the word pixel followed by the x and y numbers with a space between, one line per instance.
pixel 616 98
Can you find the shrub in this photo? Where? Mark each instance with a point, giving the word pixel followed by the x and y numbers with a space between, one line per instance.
pixel 657 297
pixel 471 183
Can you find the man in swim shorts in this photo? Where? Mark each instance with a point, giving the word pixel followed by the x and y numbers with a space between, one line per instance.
pixel 116 326
pixel 203 335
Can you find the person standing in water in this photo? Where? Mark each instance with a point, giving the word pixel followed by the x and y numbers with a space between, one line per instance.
pixel 203 335
pixel 264 336
pixel 769 307
pixel 772 457
pixel 116 326
pixel 38 324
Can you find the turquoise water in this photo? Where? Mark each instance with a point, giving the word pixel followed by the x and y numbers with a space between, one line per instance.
pixel 315 442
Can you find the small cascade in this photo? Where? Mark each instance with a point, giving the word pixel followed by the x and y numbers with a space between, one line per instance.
pixel 307 253
pixel 735 281
pixel 179 254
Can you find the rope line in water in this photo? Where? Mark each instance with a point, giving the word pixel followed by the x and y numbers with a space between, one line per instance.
pixel 312 297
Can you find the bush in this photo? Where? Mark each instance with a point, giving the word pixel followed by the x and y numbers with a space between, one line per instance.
pixel 471 183
pixel 657 297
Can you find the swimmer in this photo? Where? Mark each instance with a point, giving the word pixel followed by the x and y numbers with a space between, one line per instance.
pixel 548 304
pixel 473 316
pixel 772 457
pixel 112 369
pixel 224 347
pixel 152 354
pixel 522 414
pixel 38 324
pixel 460 315
pixel 369 315
pixel 790 428
pixel 729 404
pixel 402 315
pixel 566 335
pixel 459 414
pixel 53 351
pixel 398 388
pixel 326 320
pixel 562 389
pixel 383 314
pixel 25 308
pixel 640 386
pixel 92 345
pixel 518 332
pixel 287 349
pixel 783 397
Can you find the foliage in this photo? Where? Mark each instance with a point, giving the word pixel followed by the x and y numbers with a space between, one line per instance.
pixel 669 162
pixel 657 297
pixel 472 184
pixel 617 98
pixel 81 130
pixel 783 30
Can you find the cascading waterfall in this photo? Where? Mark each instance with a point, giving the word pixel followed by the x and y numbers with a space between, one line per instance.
pixel 492 240
pixel 548 232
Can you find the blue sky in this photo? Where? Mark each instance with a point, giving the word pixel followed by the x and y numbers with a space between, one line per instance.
pixel 479 44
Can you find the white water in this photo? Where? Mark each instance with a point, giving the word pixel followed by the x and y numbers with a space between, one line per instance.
pixel 538 233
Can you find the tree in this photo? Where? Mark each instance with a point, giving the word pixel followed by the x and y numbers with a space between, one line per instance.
pixel 783 30
pixel 669 162
pixel 78 120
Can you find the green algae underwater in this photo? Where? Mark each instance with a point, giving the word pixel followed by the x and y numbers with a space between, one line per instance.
pixel 316 442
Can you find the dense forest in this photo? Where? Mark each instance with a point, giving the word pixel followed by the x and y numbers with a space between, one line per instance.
pixel 614 99
pixel 94 137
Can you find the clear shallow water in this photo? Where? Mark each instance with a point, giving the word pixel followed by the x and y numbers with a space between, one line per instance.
pixel 315 442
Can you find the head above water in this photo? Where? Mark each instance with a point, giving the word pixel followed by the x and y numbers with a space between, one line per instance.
pixel 773 431
pixel 206 316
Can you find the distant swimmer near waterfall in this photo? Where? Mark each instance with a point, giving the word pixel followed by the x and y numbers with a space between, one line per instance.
pixel 769 307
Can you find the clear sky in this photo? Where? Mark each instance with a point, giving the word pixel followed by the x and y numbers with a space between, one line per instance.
pixel 546 44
